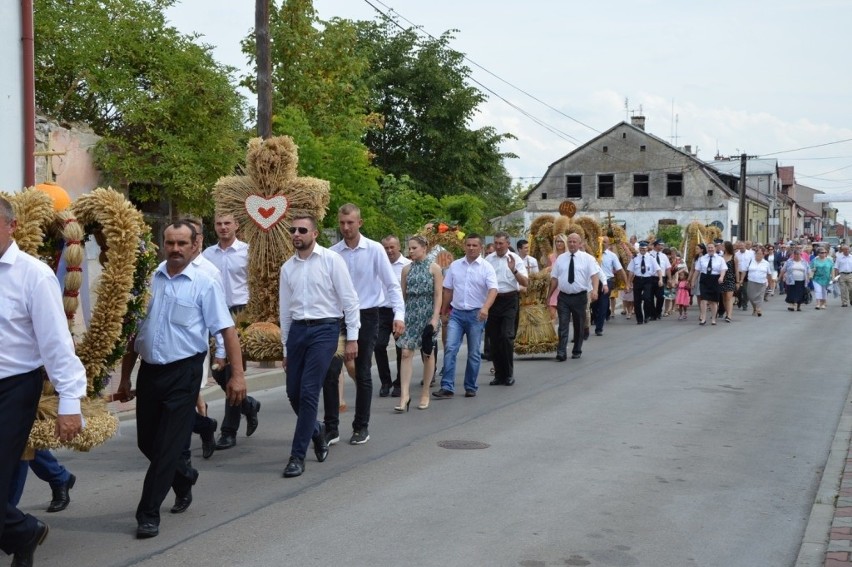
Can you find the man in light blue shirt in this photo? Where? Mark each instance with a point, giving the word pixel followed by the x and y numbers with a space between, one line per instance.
pixel 186 307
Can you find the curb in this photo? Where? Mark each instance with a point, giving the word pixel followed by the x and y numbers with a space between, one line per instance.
pixel 256 381
pixel 816 542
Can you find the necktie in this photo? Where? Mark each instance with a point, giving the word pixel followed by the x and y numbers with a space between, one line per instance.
pixel 709 264
pixel 643 264
pixel 571 270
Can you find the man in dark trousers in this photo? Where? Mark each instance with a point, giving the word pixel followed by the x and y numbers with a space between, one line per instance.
pixel 186 307
pixel 35 337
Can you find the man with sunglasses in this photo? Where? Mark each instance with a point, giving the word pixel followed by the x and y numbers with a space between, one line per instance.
pixel 315 289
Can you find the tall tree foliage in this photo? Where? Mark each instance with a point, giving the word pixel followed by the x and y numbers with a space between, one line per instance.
pixel 419 87
pixel 169 114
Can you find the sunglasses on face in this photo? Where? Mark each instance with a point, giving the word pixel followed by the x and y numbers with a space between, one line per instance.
pixel 299 229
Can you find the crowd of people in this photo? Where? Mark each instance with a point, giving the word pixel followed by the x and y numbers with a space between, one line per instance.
pixel 339 308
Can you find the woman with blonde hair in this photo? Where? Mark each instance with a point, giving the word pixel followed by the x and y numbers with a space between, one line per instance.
pixel 422 288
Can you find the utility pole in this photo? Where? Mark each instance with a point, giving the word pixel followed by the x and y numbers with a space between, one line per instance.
pixel 264 69
pixel 741 232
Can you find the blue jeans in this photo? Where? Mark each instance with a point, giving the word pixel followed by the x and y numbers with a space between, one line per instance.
pixel 463 323
pixel 45 466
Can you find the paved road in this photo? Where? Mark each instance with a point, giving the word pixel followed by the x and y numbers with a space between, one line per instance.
pixel 665 445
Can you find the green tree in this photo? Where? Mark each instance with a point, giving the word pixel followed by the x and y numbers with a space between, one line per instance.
pixel 169 114
pixel 419 89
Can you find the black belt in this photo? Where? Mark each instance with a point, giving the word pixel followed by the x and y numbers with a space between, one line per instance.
pixel 315 322
pixel 573 294
pixel 370 310
pixel 507 294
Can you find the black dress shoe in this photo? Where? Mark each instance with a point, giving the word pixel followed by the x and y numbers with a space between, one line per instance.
pixel 61 499
pixel 147 530
pixel 24 556
pixel 320 444
pixel 208 440
pixel 561 357
pixel 575 355
pixel 251 418
pixel 395 393
pixel 384 391
pixel 496 382
pixel 182 503
pixel 226 441
pixel 295 467
pixel 509 382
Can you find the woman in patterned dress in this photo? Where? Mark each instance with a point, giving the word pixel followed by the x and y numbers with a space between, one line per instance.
pixel 732 276
pixel 422 288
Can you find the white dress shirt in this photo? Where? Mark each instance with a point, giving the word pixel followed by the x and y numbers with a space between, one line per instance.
pixel 232 263
pixel 843 263
pixel 183 311
pixel 531 264
pixel 506 281
pixel 759 272
pixel 397 266
pixel 585 266
pixel 610 264
pixel 372 275
pixel 318 287
pixel 662 261
pixel 718 267
pixel 34 330
pixel 651 266
pixel 206 266
pixel 743 257
pixel 470 282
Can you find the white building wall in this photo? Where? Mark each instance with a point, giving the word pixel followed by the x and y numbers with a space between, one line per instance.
pixel 11 98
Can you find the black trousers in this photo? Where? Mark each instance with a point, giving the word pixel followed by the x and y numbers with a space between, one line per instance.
pixel 19 397
pixel 500 331
pixel 381 350
pixel 367 335
pixel 659 296
pixel 231 421
pixel 571 309
pixel 643 301
pixel 165 413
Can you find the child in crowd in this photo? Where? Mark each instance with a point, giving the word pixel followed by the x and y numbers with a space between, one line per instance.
pixel 682 297
pixel 627 303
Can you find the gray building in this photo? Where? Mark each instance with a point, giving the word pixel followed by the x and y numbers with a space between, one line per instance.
pixel 638 178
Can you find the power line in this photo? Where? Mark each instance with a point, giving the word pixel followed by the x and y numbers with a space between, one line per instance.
pixel 808 147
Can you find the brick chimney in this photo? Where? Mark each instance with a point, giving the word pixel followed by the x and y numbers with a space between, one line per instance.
pixel 638 121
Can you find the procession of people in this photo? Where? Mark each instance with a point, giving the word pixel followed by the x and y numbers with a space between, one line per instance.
pixel 344 303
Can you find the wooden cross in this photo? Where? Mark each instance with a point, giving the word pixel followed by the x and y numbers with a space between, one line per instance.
pixel 49 153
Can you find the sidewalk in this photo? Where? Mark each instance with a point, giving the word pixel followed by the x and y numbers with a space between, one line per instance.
pixel 828 534
pixel 258 377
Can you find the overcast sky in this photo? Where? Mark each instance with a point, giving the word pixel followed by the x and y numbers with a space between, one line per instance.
pixel 760 77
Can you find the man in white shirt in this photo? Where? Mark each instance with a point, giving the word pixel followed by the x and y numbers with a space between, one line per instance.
pixel 230 256
pixel 641 273
pixel 34 334
pixel 575 274
pixel 398 262
pixel 611 268
pixel 502 321
pixel 658 291
pixel 843 271
pixel 743 256
pixel 470 288
pixel 373 278
pixel 530 263
pixel 315 289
